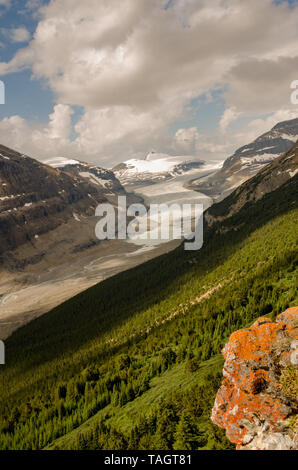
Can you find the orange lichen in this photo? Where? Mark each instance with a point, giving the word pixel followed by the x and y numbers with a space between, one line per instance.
pixel 250 392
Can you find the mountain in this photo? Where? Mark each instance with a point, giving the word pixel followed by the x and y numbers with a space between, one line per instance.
pixel 270 178
pixel 249 160
pixel 155 167
pixel 36 199
pixel 134 362
pixel 105 179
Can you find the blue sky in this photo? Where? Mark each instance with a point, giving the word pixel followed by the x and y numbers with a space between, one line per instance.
pixel 198 109
pixel 30 98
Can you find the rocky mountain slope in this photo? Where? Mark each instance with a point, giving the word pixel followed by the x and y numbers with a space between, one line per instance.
pixel 249 160
pixel 257 403
pixel 155 167
pixel 283 170
pixel 101 177
pixel 36 199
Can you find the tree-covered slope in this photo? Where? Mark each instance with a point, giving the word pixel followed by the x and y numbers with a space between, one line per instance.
pixel 96 360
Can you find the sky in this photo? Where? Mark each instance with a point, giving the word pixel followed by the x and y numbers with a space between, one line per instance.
pixel 108 80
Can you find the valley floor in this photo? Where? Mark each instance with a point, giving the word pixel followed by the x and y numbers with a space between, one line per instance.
pixel 28 295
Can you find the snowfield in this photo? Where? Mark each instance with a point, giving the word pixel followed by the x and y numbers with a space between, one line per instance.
pixel 155 166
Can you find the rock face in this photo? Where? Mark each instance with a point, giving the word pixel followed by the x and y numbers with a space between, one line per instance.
pixel 36 199
pixel 258 401
pixel 249 160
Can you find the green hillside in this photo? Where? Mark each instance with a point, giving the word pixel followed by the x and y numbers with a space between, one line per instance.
pixel 134 361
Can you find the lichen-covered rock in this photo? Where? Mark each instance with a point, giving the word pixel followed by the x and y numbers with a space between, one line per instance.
pixel 257 403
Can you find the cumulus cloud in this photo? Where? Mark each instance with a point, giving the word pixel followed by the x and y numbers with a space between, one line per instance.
pixel 187 139
pixel 39 140
pixel 134 66
pixel 230 115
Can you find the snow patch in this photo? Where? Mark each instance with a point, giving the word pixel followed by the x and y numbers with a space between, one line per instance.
pixel 293 138
pixel 76 217
pixel 262 158
pixel 96 180
pixel 12 196
pixel 293 173
pixel 291 156
pixel 159 165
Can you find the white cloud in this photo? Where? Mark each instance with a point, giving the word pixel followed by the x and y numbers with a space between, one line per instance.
pixel 60 122
pixel 259 126
pixel 187 140
pixel 230 115
pixel 39 141
pixel 133 66
pixel 112 136
pixel 260 85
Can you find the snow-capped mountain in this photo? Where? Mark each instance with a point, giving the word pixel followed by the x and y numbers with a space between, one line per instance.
pixel 284 169
pixel 249 160
pixel 155 167
pixel 104 179
pixel 266 147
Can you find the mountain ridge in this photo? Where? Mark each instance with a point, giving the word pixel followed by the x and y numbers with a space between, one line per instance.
pixel 36 199
pixel 248 160
pixel 269 178
pixel 95 174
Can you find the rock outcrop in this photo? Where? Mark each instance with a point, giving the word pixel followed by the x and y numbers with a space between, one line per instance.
pixel 258 401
